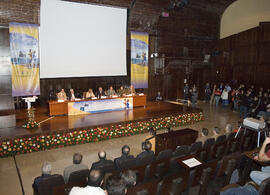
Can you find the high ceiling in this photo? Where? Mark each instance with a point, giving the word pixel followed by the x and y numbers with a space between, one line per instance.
pixel 144 14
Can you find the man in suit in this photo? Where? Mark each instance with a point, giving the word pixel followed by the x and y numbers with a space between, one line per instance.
pixel 77 159
pixel 121 91
pixel 62 95
pixel 100 93
pixel 102 161
pixel 125 156
pixel 71 95
pixel 110 92
pixel 46 172
pixel 131 90
pixel 147 155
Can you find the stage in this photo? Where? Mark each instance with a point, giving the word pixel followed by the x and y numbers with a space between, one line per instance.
pixel 60 131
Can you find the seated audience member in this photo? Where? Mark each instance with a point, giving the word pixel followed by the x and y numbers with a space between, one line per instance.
pixel 263 156
pixel 152 138
pixel 95 181
pixel 129 178
pixel 228 130
pixel 121 91
pixel 131 90
pixel 265 115
pixel 102 161
pixel 256 176
pixel 216 132
pixel 71 95
pixel 115 185
pixel 100 92
pixel 146 152
pixel 46 172
pixel 203 136
pixel 159 97
pixel 110 92
pixel 77 159
pixel 62 95
pixel 125 156
pixel 89 94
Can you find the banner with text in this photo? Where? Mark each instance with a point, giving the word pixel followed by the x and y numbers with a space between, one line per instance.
pixel 24 51
pixel 139 59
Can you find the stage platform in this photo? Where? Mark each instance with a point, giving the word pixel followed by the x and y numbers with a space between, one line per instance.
pixel 94 127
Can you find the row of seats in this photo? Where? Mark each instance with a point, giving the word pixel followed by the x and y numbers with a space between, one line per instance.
pixel 164 172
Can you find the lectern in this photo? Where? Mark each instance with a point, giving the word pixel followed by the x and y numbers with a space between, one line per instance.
pixel 31 123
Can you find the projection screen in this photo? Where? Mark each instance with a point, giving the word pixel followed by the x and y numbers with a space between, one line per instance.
pixel 80 40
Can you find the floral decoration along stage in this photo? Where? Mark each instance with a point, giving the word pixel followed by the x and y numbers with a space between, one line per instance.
pixel 34 143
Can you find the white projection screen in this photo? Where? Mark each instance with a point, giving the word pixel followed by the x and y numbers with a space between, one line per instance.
pixel 80 40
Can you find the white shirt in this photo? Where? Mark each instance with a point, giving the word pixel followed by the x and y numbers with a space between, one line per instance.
pixel 88 190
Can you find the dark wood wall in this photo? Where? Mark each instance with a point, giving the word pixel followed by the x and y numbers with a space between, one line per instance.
pixel 7 112
pixel 194 26
pixel 244 57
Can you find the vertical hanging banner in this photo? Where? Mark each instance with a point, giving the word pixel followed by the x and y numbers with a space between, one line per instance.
pixel 24 51
pixel 139 59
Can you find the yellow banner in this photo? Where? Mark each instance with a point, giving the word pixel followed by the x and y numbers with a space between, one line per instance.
pixel 139 59
pixel 24 49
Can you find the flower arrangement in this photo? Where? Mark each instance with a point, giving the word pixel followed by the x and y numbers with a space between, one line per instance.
pixel 60 139
pixel 31 125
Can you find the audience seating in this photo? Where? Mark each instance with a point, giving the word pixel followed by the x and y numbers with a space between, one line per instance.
pixel 164 175
pixel 165 154
pixel 128 164
pixel 219 147
pixel 47 185
pixel 175 184
pixel 152 188
pixel 158 169
pixel 195 147
pixel 79 176
pixel 181 151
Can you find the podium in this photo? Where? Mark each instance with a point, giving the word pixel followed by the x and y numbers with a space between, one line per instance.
pixel 31 123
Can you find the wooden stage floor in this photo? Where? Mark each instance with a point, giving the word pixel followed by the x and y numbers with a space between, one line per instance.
pixel 153 109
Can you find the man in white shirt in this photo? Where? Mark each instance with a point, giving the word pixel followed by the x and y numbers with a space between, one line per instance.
pixel 95 180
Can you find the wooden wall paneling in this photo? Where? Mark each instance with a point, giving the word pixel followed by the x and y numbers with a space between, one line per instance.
pixel 7 109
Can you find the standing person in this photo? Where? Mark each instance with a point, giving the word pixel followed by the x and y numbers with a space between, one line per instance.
pixel 207 92
pixel 194 95
pixel 186 91
pixel 217 96
pixel 212 99
pixel 224 96
pixel 244 104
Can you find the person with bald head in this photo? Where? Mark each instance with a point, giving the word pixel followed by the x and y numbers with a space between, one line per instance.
pixel 95 181
pixel 103 162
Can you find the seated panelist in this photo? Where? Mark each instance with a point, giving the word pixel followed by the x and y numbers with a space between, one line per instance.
pixel 110 92
pixel 71 95
pixel 62 95
pixel 121 91
pixel 131 90
pixel 100 92
pixel 89 94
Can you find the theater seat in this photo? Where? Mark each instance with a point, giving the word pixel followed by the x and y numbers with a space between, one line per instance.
pixel 47 184
pixel 164 154
pixel 79 176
